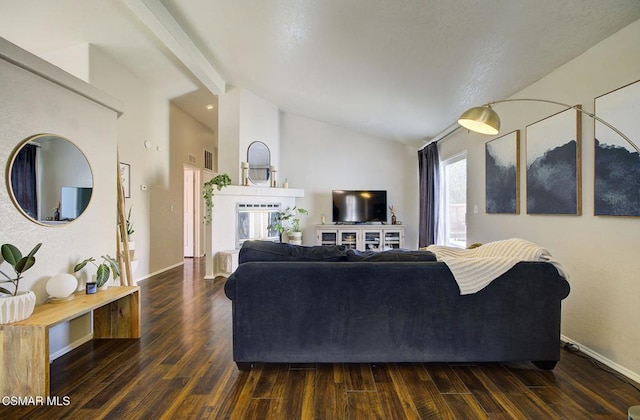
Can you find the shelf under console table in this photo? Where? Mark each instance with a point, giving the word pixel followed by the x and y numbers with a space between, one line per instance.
pixel 24 370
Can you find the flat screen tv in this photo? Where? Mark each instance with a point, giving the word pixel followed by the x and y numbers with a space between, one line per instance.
pixel 351 206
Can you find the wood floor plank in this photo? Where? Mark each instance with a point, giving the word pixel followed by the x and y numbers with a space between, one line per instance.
pixel 463 406
pixel 182 368
pixel 299 395
pixel 330 392
pixel 359 377
pixel 426 397
pixel 445 379
pixel 393 392
pixel 272 381
pixel 485 392
pixel 364 405
pixel 231 396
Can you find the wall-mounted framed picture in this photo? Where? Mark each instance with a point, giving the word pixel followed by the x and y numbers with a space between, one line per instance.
pixel 125 176
pixel 617 162
pixel 553 153
pixel 502 174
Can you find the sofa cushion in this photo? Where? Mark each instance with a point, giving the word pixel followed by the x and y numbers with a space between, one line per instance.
pixel 274 251
pixel 397 255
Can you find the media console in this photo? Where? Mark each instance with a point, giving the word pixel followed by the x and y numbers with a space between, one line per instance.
pixel 363 237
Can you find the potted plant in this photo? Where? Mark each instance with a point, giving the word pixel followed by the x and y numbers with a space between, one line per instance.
pixel 219 181
pixel 16 306
pixel 289 221
pixel 129 225
pixel 131 244
pixel 103 272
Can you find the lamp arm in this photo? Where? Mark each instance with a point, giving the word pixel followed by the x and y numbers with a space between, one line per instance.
pixel 594 116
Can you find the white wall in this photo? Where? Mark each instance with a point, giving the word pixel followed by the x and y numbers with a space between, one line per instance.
pixel 156 211
pixel 33 105
pixel 259 121
pixel 321 157
pixel 244 118
pixel 600 253
pixel 189 137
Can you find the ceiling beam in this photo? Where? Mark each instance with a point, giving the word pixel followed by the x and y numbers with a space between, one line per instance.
pixel 158 19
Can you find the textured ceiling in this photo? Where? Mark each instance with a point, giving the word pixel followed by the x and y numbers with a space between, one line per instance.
pixel 401 70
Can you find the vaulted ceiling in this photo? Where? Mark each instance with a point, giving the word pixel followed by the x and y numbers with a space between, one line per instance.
pixel 401 70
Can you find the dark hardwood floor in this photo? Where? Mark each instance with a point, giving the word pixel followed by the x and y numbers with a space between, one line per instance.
pixel 182 367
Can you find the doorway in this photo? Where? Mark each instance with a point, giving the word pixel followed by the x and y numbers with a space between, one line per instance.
pixel 191 217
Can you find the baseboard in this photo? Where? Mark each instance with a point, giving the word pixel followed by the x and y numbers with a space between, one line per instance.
pixel 605 361
pixel 159 271
pixel 71 346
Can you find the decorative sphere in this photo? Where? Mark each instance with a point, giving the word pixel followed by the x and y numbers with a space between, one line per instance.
pixel 61 285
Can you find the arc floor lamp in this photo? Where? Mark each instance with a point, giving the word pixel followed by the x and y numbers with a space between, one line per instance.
pixel 484 120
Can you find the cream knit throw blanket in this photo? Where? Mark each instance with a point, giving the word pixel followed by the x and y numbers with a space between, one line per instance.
pixel 475 268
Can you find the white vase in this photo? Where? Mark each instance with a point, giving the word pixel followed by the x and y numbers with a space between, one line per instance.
pixel 295 238
pixel 16 308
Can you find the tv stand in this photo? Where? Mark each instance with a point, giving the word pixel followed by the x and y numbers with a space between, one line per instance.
pixel 362 237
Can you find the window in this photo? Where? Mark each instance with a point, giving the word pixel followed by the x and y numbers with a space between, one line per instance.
pixel 454 200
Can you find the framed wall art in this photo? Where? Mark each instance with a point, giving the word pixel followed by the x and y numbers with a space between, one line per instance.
pixel 502 174
pixel 617 162
pixel 553 153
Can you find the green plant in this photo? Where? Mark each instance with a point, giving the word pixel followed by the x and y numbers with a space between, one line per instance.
pixel 288 220
pixel 129 225
pixel 104 270
pixel 20 264
pixel 219 181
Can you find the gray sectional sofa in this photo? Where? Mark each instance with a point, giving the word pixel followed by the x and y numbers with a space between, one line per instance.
pixel 296 304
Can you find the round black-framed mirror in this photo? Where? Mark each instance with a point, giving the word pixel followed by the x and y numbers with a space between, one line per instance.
pixel 259 159
pixel 49 179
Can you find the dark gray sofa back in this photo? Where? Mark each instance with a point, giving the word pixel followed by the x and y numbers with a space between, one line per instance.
pixel 274 251
pixel 253 251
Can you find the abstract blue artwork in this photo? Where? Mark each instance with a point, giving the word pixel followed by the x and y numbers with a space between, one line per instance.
pixel 617 163
pixel 553 164
pixel 502 169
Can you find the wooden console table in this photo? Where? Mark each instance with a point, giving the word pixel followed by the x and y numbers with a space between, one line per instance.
pixel 24 351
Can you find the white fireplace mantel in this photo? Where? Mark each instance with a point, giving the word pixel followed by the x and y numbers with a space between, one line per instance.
pixel 249 191
pixel 221 234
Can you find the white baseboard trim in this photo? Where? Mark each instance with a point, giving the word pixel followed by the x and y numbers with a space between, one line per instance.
pixel 600 358
pixel 159 271
pixel 71 346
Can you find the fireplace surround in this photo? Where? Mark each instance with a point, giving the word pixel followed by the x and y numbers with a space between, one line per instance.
pixel 227 230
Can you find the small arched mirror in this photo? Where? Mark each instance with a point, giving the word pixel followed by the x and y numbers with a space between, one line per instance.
pixel 259 159
pixel 49 180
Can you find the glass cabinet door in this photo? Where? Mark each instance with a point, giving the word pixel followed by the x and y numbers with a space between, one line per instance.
pixel 329 237
pixel 372 240
pixel 392 239
pixel 348 238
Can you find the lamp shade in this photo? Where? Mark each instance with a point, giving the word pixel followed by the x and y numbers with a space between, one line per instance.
pixel 61 285
pixel 481 119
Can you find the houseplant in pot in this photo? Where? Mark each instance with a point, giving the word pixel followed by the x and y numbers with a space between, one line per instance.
pixel 16 306
pixel 103 271
pixel 289 221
